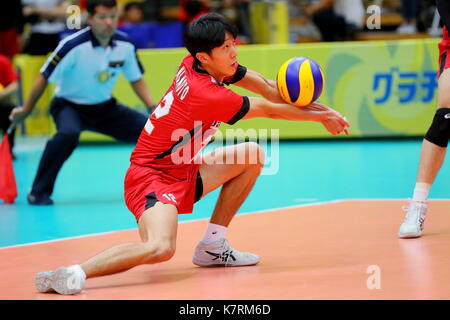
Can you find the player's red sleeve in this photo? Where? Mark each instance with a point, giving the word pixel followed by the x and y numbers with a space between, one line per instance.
pixel 217 103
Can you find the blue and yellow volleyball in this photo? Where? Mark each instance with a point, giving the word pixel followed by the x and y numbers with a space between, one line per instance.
pixel 300 81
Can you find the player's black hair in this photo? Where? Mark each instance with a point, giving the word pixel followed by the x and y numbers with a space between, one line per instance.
pixel 206 33
pixel 93 4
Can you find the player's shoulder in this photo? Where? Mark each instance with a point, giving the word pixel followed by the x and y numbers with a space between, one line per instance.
pixel 73 41
pixel 121 36
pixel 196 85
pixel 203 87
pixel 200 79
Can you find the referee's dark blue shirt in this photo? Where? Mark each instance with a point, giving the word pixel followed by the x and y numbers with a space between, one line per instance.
pixel 85 72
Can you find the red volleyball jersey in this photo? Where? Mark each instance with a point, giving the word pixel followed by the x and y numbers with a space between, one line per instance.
pixel 186 118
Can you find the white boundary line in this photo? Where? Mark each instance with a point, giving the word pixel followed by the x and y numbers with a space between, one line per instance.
pixel 243 213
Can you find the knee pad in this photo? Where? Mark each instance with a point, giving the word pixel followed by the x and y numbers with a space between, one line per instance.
pixel 439 131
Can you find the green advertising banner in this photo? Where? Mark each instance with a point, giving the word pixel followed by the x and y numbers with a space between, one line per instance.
pixel 384 88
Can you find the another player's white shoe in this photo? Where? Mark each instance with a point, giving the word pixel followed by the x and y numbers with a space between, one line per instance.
pixel 220 254
pixel 412 225
pixel 69 280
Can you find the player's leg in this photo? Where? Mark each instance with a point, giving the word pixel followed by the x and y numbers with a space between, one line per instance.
pixel 236 169
pixel 432 156
pixel 157 229
pixel 57 150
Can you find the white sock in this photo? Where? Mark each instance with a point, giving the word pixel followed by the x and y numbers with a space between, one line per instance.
pixel 78 270
pixel 421 191
pixel 214 232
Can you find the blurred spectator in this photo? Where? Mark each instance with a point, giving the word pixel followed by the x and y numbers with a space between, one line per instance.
pixel 47 19
pixel 228 9
pixel 243 20
pixel 140 33
pixel 300 26
pixel 11 26
pixel 237 11
pixel 192 9
pixel 132 13
pixel 429 19
pixel 8 88
pixel 156 33
pixel 410 10
pixel 337 20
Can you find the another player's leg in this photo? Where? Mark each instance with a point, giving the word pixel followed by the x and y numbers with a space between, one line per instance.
pixel 432 156
pixel 157 229
pixel 236 169
pixel 56 152
pixel 121 122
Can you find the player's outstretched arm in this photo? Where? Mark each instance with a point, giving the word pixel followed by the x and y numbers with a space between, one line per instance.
pixel 19 114
pixel 332 120
pixel 256 83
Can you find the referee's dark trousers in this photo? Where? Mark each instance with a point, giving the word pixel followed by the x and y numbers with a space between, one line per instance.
pixel 109 118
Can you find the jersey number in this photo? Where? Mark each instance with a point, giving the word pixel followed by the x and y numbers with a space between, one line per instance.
pixel 161 110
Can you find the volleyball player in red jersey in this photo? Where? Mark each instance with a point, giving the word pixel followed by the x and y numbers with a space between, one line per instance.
pixel 435 142
pixel 167 172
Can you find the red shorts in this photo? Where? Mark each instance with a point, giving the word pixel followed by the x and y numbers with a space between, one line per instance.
pixel 444 56
pixel 145 186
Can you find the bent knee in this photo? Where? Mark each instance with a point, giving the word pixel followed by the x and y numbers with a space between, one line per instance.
pixel 439 131
pixel 67 137
pixel 159 252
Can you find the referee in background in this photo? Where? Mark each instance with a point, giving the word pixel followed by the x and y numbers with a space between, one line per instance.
pixel 85 67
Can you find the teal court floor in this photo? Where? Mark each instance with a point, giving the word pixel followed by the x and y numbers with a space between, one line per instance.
pixel 89 191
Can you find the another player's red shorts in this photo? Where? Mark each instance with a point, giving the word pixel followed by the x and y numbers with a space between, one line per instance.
pixel 145 186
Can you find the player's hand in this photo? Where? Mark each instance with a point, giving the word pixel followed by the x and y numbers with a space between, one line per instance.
pixel 332 120
pixel 18 114
pixel 336 125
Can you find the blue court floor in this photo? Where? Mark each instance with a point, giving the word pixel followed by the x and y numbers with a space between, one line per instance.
pixel 89 190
